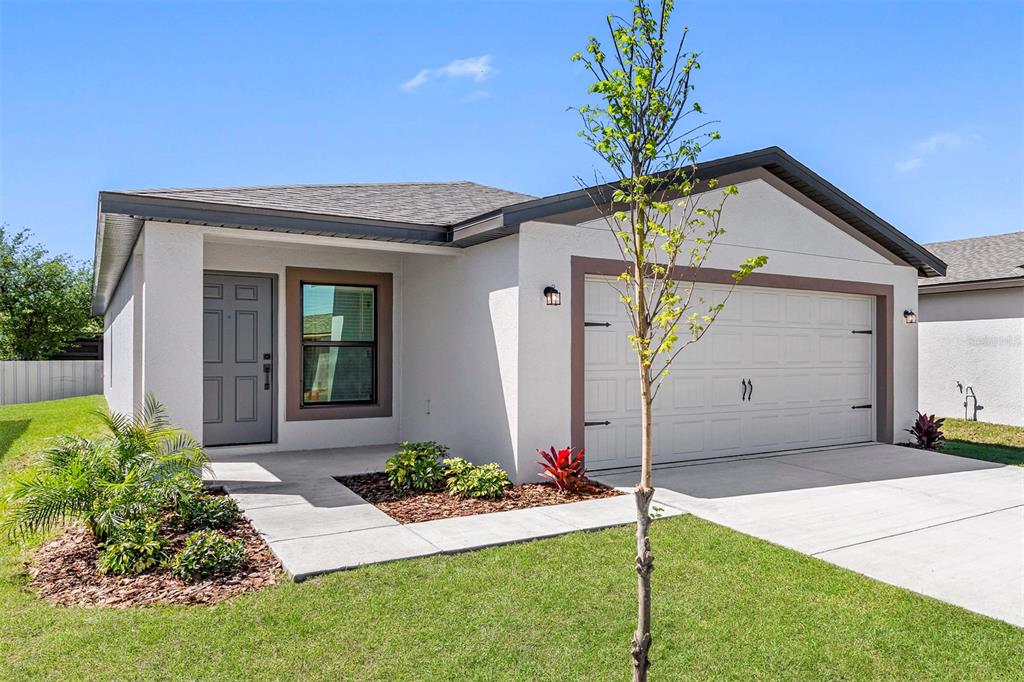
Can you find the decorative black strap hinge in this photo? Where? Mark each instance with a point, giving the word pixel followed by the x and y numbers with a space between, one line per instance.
pixel 597 324
pixel 861 331
pixel 604 423
pixel 860 407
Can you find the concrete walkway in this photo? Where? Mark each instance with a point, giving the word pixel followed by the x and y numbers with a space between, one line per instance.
pixel 315 525
pixel 948 527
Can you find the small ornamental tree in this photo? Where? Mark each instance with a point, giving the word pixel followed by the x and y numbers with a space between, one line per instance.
pixel 665 218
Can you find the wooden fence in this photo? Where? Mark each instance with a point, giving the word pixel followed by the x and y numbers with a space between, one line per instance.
pixel 30 382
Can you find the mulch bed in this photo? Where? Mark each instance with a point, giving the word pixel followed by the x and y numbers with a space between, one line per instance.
pixel 64 572
pixel 413 506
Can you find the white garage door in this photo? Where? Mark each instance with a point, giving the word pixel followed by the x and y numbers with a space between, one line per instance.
pixel 780 370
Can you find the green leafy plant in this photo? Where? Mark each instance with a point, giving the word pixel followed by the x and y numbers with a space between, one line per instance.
pixel 417 466
pixel 133 548
pixel 469 480
pixel 207 553
pixel 207 511
pixel 134 472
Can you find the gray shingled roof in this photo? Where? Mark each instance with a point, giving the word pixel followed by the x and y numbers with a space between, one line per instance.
pixel 1000 256
pixel 422 203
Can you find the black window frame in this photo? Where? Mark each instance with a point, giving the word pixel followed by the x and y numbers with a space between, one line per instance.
pixel 373 345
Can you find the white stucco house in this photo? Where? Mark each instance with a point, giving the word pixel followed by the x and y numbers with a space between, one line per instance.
pixel 307 317
pixel 972 331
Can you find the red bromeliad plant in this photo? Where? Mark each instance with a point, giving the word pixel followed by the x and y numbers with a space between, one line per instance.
pixel 927 431
pixel 564 468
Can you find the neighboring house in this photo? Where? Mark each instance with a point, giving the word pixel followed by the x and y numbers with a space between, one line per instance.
pixel 972 331
pixel 320 316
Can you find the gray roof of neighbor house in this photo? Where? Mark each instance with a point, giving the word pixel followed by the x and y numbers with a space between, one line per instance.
pixel 452 214
pixel 980 259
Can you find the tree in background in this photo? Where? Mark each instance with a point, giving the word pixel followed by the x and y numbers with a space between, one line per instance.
pixel 44 300
pixel 665 219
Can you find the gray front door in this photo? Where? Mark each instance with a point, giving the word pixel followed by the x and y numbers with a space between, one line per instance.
pixel 238 361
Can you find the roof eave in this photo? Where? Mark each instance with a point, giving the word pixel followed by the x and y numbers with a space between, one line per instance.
pixel 774 159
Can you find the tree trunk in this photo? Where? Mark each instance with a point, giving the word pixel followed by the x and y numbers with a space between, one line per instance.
pixel 644 557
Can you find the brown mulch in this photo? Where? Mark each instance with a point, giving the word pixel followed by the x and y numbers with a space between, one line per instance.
pixel 64 572
pixel 413 506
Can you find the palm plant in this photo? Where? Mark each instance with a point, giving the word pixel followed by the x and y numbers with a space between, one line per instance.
pixel 143 464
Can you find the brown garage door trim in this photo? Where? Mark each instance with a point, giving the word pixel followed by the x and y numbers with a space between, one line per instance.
pixel 582 266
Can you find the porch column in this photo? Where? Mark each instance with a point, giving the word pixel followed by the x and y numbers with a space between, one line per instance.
pixel 172 327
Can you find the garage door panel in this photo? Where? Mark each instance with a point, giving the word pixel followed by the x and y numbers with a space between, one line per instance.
pixel 794 348
pixel 600 394
pixel 603 445
pixel 832 312
pixel 858 387
pixel 726 347
pixel 766 307
pixel 858 350
pixel 687 392
pixel 799 429
pixel 686 437
pixel 798 309
pixel 798 349
pixel 726 436
pixel 766 348
pixel 831 348
pixel 794 389
pixel 603 347
pixel 726 390
pixel 859 313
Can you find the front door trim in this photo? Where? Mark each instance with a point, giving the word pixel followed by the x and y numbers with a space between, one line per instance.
pixel 581 266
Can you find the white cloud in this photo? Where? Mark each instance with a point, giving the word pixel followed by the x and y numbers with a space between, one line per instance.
pixel 478 69
pixel 907 165
pixel 936 144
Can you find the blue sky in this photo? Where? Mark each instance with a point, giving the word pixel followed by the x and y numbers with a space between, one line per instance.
pixel 916 109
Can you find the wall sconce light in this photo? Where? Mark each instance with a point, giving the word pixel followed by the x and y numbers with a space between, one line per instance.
pixel 552 296
pixel 910 317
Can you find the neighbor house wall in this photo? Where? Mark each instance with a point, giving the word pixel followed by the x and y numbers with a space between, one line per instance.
pixel 225 251
pixel 460 353
pixel 976 339
pixel 762 220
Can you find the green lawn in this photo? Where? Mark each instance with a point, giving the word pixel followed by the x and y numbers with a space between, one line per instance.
pixel 727 606
pixel 981 440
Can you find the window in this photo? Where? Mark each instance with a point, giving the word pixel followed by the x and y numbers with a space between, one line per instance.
pixel 339 349
pixel 339 344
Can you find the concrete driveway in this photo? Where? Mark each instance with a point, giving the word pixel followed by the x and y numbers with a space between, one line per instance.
pixel 948 527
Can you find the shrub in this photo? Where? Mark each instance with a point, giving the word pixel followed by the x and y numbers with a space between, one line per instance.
pixel 207 511
pixel 207 553
pixel 469 480
pixel 131 473
pixel 565 468
pixel 417 466
pixel 927 432
pixel 133 548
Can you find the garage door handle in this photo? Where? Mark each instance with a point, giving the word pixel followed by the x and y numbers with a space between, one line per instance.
pixel 751 394
pixel 744 390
